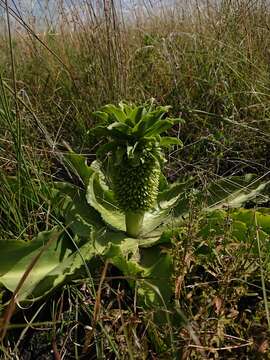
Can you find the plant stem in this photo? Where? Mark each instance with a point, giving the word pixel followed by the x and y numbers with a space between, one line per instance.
pixel 134 221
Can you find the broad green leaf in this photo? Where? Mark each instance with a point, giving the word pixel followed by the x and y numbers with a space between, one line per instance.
pixel 157 271
pixel 12 251
pixel 121 127
pixel 78 163
pixel 163 236
pixel 115 112
pixel 102 200
pixel 147 121
pixel 248 216
pixel 239 225
pixel 104 149
pixel 59 262
pixel 137 113
pixel 219 224
pixel 101 115
pixel 169 141
pixel 148 266
pixel 78 265
pixel 168 198
pixel 79 215
pixel 14 261
pixel 159 127
pixel 120 257
pixel 153 221
pixel 225 193
pixel 233 192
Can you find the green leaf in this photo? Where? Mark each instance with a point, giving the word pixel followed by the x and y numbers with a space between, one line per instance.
pixel 153 221
pixel 225 193
pixel 115 112
pixel 233 192
pixel 99 132
pixel 104 149
pixel 241 226
pixel 157 271
pixel 170 141
pixel 15 259
pixel 149 267
pixel 168 198
pixel 101 116
pixel 121 127
pixel 137 114
pixel 78 163
pixel 248 217
pixel 119 256
pixel 59 262
pixel 147 120
pixel 159 127
pixel 79 215
pixel 101 199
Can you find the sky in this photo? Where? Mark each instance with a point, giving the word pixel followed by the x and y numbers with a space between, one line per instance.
pixel 38 6
pixel 47 11
pixel 44 14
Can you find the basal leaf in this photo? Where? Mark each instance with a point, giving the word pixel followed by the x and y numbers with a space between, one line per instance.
pixel 78 163
pixel 225 193
pixel 167 198
pixel 233 192
pixel 14 261
pixel 152 222
pixel 60 261
pixel 79 264
pixel 102 200
pixel 79 215
pixel 147 266
pixel 121 259
pixel 248 216
pixel 157 271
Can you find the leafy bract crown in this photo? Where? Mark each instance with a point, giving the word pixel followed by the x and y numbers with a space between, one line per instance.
pixel 134 132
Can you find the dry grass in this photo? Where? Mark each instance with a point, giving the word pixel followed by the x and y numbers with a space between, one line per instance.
pixel 211 64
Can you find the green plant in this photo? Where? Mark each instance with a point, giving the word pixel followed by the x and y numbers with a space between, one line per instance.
pixel 95 223
pixel 134 156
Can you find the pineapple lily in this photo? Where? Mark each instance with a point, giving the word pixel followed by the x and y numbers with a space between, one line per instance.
pixel 133 157
pixel 124 212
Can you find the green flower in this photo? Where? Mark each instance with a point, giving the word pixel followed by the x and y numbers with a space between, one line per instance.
pixel 132 157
